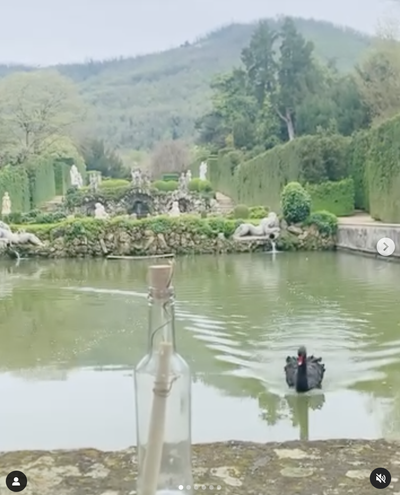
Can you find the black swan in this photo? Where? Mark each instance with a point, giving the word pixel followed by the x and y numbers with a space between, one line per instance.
pixel 304 373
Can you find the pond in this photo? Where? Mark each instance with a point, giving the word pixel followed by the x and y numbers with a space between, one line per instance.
pixel 71 333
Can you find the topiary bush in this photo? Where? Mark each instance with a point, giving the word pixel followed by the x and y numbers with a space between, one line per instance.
pixel 113 183
pixel 163 185
pixel 296 203
pixel 326 222
pixel 198 185
pixel 241 211
pixel 258 212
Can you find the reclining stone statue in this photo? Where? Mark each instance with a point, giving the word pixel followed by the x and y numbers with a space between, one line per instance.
pixel 268 227
pixel 7 237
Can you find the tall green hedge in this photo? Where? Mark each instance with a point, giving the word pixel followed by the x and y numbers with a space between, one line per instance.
pixel 308 159
pixel 374 164
pixel 335 197
pixel 358 153
pixel 15 181
pixel 41 180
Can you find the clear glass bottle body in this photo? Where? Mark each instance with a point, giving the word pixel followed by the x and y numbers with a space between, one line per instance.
pixel 163 408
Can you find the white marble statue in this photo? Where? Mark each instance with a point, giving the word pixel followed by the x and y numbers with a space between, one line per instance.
pixel 6 204
pixel 203 171
pixel 94 181
pixel 100 212
pixel 76 177
pixel 182 183
pixel 188 178
pixel 175 211
pixel 136 178
pixel 21 237
pixel 268 227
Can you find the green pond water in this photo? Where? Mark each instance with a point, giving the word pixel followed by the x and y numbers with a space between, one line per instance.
pixel 72 331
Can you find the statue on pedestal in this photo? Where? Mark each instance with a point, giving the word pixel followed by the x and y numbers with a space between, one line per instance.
pixel 94 181
pixel 136 178
pixel 182 183
pixel 76 177
pixel 203 171
pixel 6 205
pixel 188 178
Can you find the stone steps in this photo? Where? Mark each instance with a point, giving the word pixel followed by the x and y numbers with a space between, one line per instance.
pixel 226 205
pixel 52 204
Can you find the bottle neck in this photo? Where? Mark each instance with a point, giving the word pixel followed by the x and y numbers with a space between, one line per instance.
pixel 161 319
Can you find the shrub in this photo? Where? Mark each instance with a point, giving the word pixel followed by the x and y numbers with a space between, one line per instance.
pixel 170 177
pixel 198 185
pixel 258 212
pixel 36 217
pixel 326 222
pixel 169 185
pixel 241 211
pixel 296 203
pixel 113 183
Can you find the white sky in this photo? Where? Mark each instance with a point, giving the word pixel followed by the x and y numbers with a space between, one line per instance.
pixel 55 31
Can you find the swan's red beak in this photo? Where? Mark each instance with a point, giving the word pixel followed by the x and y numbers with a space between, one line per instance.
pixel 300 360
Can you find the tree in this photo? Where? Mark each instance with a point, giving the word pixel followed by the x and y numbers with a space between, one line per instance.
pixel 295 74
pixel 106 161
pixel 378 79
pixel 34 107
pixel 169 157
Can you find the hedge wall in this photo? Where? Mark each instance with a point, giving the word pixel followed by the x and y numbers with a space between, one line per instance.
pixel 41 180
pixel 15 181
pixel 308 159
pixel 335 197
pixel 374 165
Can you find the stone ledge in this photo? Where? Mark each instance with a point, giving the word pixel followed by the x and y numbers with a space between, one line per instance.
pixel 333 467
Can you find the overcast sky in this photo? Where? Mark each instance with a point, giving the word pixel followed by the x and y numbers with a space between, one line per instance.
pixel 56 31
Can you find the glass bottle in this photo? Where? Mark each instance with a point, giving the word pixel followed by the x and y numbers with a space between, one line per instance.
pixel 163 399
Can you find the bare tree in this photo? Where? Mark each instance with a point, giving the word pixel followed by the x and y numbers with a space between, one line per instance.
pixel 36 107
pixel 169 157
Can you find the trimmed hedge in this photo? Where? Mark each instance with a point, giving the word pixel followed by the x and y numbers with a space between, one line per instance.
pixel 336 197
pixel 308 159
pixel 375 168
pixel 41 180
pixel 15 181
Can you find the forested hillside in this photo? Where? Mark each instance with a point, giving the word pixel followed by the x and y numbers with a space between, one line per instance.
pixel 140 101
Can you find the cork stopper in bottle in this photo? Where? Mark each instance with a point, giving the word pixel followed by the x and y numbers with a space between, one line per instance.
pixel 160 279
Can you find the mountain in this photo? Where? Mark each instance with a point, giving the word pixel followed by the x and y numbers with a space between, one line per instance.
pixel 139 101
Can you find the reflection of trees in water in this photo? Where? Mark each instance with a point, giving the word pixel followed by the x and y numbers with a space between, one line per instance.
pixel 296 406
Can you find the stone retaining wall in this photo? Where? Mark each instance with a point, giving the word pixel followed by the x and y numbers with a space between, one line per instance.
pixel 363 238
pixel 333 467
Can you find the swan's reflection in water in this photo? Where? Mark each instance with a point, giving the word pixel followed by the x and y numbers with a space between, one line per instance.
pixel 293 407
pixel 299 409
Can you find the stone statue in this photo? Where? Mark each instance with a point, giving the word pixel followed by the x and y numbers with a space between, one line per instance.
pixel 268 227
pixel 188 178
pixel 203 171
pixel 8 237
pixel 146 183
pixel 76 177
pixel 175 211
pixel 6 205
pixel 136 178
pixel 100 212
pixel 94 181
pixel 182 183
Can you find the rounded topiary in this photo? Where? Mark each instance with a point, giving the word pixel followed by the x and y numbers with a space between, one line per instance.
pixel 258 212
pixel 241 211
pixel 165 185
pixel 296 203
